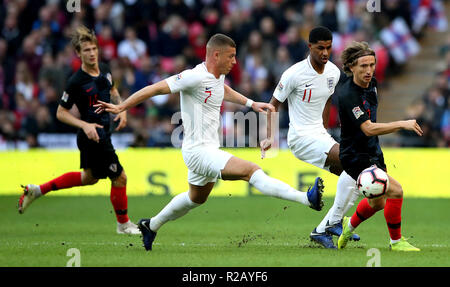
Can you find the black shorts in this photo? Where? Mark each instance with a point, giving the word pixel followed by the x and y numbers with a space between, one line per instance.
pixel 101 158
pixel 361 163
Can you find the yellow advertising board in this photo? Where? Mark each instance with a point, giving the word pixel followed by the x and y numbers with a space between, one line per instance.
pixel 422 172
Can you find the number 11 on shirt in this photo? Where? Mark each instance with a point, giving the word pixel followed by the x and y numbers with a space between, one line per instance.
pixel 304 95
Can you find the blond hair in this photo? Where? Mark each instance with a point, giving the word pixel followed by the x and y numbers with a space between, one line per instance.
pixel 83 34
pixel 353 52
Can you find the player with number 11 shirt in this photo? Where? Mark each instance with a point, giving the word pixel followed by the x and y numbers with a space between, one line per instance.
pixel 308 86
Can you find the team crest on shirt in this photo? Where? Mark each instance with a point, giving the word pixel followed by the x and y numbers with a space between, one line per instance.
pixel 357 112
pixel 178 77
pixel 65 97
pixel 113 167
pixel 280 86
pixel 109 77
pixel 330 82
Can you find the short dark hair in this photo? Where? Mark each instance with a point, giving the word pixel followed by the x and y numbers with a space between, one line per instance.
pixel 320 33
pixel 220 40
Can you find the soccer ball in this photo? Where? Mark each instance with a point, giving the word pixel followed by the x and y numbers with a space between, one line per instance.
pixel 372 182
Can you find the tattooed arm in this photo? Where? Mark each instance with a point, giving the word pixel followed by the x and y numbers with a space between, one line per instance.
pixel 121 117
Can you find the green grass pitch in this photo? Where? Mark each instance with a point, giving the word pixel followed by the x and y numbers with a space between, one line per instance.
pixel 226 231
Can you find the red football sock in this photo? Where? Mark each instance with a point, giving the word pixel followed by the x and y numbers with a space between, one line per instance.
pixel 363 212
pixel 119 201
pixel 66 180
pixel 393 215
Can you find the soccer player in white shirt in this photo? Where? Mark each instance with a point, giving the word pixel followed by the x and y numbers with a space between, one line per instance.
pixel 202 90
pixel 308 86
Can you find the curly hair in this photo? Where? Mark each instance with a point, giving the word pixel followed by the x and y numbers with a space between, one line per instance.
pixel 354 51
pixel 83 34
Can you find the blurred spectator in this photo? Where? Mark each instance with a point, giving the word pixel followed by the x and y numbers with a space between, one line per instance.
pixel 131 47
pixel 146 41
pixel 255 56
pixel 25 83
pixel 296 45
pixel 28 55
pixel 11 34
pixel 107 44
pixel 445 127
pixel 7 71
pixel 173 37
pixel 281 63
pixel 328 17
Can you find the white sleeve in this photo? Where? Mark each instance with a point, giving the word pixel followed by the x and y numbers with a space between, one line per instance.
pixel 183 81
pixel 284 87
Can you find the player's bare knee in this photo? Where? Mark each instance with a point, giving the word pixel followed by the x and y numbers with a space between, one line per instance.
pixel 251 170
pixel 87 178
pixel 395 191
pixel 198 198
pixel 377 203
pixel 90 181
pixel 120 181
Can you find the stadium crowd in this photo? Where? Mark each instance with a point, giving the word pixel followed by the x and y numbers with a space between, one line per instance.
pixel 146 41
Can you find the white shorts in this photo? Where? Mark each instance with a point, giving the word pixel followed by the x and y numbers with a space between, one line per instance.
pixel 311 147
pixel 205 164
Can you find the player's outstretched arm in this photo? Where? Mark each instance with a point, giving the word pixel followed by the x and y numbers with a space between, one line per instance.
pixel 374 129
pixel 159 88
pixel 232 96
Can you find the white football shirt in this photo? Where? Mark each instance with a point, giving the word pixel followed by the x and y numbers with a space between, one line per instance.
pixel 201 96
pixel 307 92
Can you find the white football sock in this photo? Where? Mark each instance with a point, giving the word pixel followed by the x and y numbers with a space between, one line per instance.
pixel 276 188
pixel 394 241
pixel 343 200
pixel 350 226
pixel 37 190
pixel 177 207
pixel 353 197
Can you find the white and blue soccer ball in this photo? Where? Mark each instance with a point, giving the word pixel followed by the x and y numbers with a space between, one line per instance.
pixel 373 182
